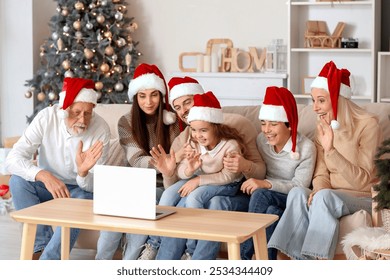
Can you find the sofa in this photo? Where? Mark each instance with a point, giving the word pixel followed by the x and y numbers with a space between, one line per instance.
pixel 307 123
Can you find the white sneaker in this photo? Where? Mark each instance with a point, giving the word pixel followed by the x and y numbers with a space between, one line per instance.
pixel 149 253
pixel 186 256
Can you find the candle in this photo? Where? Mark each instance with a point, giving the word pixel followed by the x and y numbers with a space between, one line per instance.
pixel 207 63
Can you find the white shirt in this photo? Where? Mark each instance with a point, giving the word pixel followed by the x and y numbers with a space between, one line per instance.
pixel 56 148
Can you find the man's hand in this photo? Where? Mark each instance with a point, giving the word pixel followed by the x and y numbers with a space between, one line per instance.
pixel 234 162
pixel 250 185
pixel 86 160
pixel 56 187
pixel 189 186
pixel 165 163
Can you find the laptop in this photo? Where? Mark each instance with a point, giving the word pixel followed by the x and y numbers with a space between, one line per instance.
pixel 126 192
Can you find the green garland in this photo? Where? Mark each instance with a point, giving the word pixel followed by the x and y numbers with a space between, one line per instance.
pixel 383 172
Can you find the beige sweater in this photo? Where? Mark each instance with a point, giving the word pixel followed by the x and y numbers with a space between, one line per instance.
pixel 350 165
pixel 249 134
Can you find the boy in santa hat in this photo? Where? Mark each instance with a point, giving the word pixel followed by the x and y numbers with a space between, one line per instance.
pixel 289 156
pixel 346 141
pixel 70 139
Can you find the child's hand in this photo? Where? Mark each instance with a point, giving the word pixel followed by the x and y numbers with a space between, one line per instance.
pixel 193 163
pixel 189 186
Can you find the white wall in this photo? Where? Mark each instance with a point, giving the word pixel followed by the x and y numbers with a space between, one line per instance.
pixel 170 27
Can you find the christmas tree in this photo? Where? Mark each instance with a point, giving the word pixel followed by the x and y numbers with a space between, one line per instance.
pixel 382 163
pixel 89 39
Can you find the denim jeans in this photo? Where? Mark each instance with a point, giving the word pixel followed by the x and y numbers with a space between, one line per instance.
pixel 312 232
pixel 173 248
pixel 109 241
pixel 26 194
pixel 265 202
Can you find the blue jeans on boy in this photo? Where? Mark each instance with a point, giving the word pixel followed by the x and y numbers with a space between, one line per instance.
pixel 265 202
pixel 109 241
pixel 26 194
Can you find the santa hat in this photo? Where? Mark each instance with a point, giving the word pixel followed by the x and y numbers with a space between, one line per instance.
pixel 279 105
pixel 206 108
pixel 77 90
pixel 148 76
pixel 336 82
pixel 179 87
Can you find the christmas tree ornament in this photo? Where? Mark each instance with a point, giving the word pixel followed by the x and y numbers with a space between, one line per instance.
pixel 89 25
pixel 87 66
pixel 77 25
pixel 118 87
pixel 103 2
pixel 114 57
pixel 92 6
pixel 28 94
pixel 69 74
pixel 65 12
pixel 108 34
pixel 128 61
pixel 98 86
pixel 60 44
pixel 109 50
pixel 58 9
pixel 133 26
pixel 41 96
pixel 88 53
pixel 52 96
pixel 66 29
pixel 99 95
pixel 54 36
pixel 116 1
pixel 118 16
pixel 100 19
pixel 73 54
pixel 120 42
pixel 79 6
pixel 118 68
pixel 79 35
pixel 66 64
pixel 99 37
pixel 104 67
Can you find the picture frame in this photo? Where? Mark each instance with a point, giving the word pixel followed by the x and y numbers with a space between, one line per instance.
pixel 306 82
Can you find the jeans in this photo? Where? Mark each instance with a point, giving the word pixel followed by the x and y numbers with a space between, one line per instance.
pixel 109 241
pixel 266 202
pixel 26 194
pixel 173 248
pixel 312 232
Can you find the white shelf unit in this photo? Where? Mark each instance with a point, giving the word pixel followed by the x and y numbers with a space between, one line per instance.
pixel 362 18
pixel 237 89
pixel 383 77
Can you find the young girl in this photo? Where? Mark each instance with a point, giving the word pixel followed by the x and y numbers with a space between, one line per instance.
pixel 346 140
pixel 145 126
pixel 203 170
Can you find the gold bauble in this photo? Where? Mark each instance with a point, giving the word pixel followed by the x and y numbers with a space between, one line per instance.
pixel 28 94
pixel 66 64
pixel 79 6
pixel 77 25
pixel 109 50
pixel 88 53
pixel 65 12
pixel 41 96
pixel 116 1
pixel 98 86
pixel 108 34
pixel 104 67
pixel 100 19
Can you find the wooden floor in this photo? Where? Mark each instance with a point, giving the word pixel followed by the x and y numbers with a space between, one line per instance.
pixel 10 241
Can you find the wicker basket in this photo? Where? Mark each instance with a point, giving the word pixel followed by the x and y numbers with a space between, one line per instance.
pixel 386 219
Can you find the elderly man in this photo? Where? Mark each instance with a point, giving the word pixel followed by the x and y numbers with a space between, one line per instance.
pixel 70 139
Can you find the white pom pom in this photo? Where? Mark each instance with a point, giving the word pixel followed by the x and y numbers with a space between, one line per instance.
pixel 295 155
pixel 169 117
pixel 334 124
pixel 63 114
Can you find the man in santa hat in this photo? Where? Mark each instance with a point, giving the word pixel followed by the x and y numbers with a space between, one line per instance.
pixel 69 139
pixel 251 164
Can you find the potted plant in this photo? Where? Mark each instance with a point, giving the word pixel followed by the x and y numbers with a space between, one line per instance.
pixel 382 163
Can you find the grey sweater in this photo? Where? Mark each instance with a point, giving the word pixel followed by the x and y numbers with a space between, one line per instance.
pixel 283 172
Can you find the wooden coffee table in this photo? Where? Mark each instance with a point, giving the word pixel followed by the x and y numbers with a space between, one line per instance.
pixel 214 225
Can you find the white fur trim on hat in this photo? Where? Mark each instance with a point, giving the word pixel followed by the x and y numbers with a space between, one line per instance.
pixel 85 95
pixel 213 115
pixel 146 81
pixel 273 113
pixel 334 124
pixel 183 90
pixel 169 117
pixel 322 82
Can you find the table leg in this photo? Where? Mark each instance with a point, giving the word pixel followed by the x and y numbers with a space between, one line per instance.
pixel 65 243
pixel 234 251
pixel 28 240
pixel 260 245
